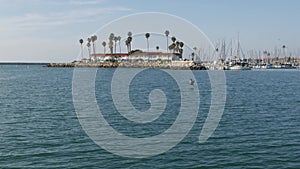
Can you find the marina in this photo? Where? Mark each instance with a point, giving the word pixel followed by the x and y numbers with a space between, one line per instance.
pixel 178 56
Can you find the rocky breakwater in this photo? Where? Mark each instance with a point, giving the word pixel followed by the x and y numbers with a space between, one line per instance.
pixel 81 64
pixel 180 65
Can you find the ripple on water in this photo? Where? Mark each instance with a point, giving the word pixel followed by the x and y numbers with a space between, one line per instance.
pixel 259 128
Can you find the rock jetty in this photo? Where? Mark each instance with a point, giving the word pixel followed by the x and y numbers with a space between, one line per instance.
pixel 179 65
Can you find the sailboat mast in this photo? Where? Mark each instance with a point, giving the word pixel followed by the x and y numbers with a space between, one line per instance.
pixel 231 53
pixel 238 49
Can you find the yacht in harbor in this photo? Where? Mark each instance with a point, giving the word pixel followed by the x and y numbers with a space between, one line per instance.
pixel 236 62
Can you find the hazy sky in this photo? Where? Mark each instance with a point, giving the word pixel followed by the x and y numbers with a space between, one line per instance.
pixel 49 30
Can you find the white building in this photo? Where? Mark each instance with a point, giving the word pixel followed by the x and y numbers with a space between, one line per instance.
pixel 136 57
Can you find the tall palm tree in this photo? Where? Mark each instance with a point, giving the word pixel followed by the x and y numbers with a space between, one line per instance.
pixel 195 50
pixel 181 44
pixel 177 46
pixel 147 35
pixel 174 44
pixel 119 39
pixel 283 50
pixel 104 44
pixel 116 40
pixel 89 40
pixel 129 41
pixel 111 43
pixel 167 35
pixel 89 48
pixel 129 34
pixel 93 39
pixel 81 42
pixel 127 44
pixel 193 55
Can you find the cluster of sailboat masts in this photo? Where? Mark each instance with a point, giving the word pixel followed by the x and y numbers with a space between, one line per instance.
pixel 233 58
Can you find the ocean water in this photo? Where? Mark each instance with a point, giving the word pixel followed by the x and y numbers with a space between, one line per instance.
pixel 260 127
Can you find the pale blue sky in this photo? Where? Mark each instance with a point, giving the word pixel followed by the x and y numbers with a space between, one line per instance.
pixel 48 30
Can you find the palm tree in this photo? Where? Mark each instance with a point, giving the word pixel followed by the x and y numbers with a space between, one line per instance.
pixel 93 39
pixel 81 42
pixel 193 55
pixel 177 46
pixel 195 50
pixel 129 40
pixel 167 35
pixel 283 50
pixel 171 47
pixel 104 44
pixel 111 43
pixel 265 53
pixel 147 35
pixel 111 36
pixel 129 34
pixel 116 40
pixel 127 44
pixel 89 43
pixel 119 39
pixel 89 48
pixel 173 39
pixel 174 44
pixel 181 44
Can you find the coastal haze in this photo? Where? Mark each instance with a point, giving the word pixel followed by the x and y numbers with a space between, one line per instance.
pixel 136 84
pixel 48 31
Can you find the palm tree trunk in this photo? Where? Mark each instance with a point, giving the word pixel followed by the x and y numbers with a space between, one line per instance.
pixel 93 48
pixel 89 53
pixel 130 47
pixel 148 44
pixel 167 44
pixel 81 52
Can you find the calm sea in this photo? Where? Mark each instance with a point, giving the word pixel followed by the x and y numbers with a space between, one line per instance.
pixel 260 127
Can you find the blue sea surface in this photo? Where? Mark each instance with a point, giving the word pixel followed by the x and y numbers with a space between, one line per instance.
pixel 260 127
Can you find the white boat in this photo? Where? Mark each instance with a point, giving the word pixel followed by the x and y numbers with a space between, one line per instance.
pixel 237 62
pixel 239 67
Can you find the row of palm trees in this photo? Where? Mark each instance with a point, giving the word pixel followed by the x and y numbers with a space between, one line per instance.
pixel 175 46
